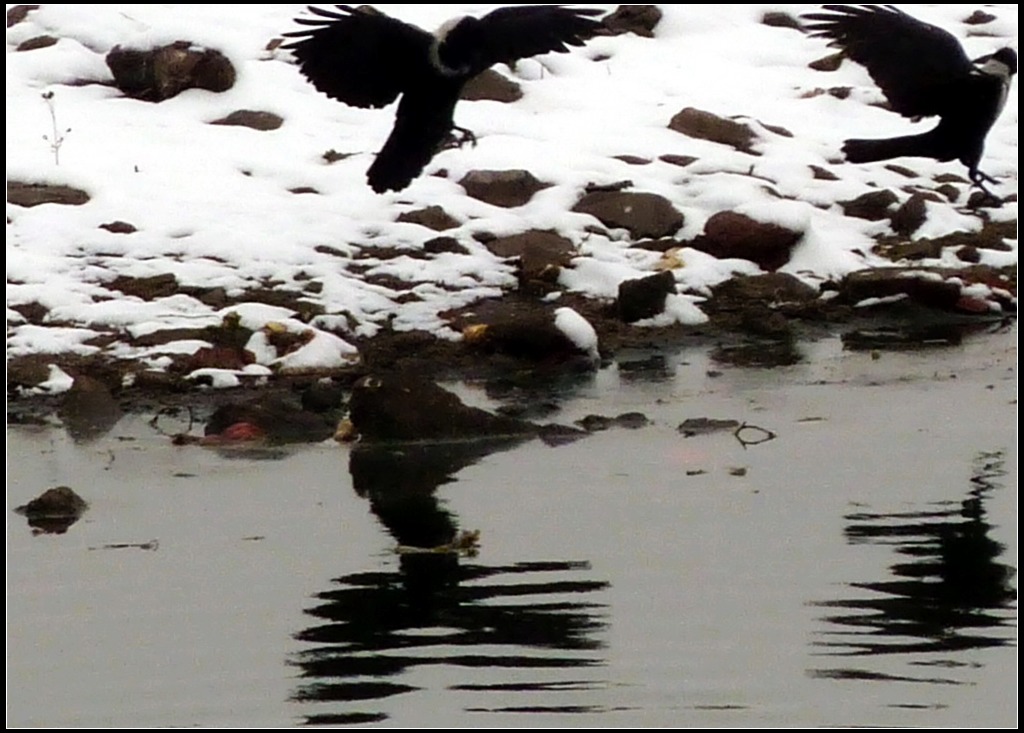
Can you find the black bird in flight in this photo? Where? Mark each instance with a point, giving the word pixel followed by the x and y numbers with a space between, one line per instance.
pixel 923 72
pixel 366 59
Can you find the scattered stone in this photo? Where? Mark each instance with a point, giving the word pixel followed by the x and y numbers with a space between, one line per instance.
pixel 558 337
pixel 431 217
pixel 638 19
pixel 119 227
pixel 633 159
pixel 34 194
pixel 88 410
pixel 979 17
pixel 160 73
pixel 777 19
pixel 645 297
pixel 146 288
pixel 508 188
pixel 704 425
pixel 492 86
pixel 730 235
pixel 703 125
pixel 18 13
pixel 53 511
pixel 541 255
pixel 821 174
pixel 919 285
pixel 444 245
pixel 910 216
pixel 33 44
pixel 255 119
pixel 681 160
pixel 404 407
pixel 873 206
pixel 644 215
pixel 901 170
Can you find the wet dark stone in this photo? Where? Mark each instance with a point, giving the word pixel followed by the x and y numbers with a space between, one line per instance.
pixel 119 227
pixel 704 425
pixel 731 235
pixel 645 297
pixel 780 20
pixel 33 44
pixel 53 511
pixel 18 13
pixel 873 206
pixel 404 407
pixel 911 215
pixel 34 194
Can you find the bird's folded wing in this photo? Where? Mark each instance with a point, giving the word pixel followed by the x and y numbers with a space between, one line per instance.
pixel 519 31
pixel 910 60
pixel 359 57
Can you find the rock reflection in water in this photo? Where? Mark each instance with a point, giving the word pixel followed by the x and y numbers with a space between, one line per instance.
pixel 952 594
pixel 371 629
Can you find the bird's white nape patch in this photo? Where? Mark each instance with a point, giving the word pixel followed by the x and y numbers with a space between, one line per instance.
pixel 440 36
pixel 995 67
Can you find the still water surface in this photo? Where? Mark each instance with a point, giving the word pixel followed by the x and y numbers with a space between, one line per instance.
pixel 855 569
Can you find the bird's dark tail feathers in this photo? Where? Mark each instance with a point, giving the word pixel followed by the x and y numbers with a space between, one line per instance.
pixel 908 146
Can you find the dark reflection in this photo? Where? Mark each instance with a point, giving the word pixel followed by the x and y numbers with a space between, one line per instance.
pixel 371 630
pixel 949 595
pixel 765 354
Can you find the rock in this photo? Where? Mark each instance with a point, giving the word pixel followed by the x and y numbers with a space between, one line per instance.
pixel 561 336
pixel 773 288
pixel 832 62
pixel 919 285
pixel 146 288
pixel 157 74
pixel 638 19
pixel 492 86
pixel 703 125
pixel 910 216
pixel 88 410
pixel 508 189
pixel 34 194
pixel 18 13
pixel 541 254
pixel 704 425
pixel 730 235
pixel 442 245
pixel 644 215
pixel 680 160
pixel 821 174
pixel 119 227
pixel 54 511
pixel 276 420
pixel 978 17
pixel 873 205
pixel 254 119
pixel 780 20
pixel 33 44
pixel 431 217
pixel 645 297
pixel 404 407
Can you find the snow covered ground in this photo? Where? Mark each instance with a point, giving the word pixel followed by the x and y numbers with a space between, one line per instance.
pixel 215 206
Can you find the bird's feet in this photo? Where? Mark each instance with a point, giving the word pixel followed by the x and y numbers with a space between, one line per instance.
pixel 459 137
pixel 979 179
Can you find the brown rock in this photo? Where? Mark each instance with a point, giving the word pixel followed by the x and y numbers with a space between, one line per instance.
pixel 730 235
pixel 780 20
pixel 161 73
pixel 645 297
pixel 541 254
pixel 919 285
pixel 18 13
pixel 492 86
pixel 708 126
pixel 910 216
pixel 873 206
pixel 34 194
pixel 638 19
pixel 645 215
pixel 254 119
pixel 119 227
pixel 509 188
pixel 432 217
pixel 38 42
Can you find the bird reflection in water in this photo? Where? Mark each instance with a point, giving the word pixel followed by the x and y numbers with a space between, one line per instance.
pixel 950 596
pixel 519 637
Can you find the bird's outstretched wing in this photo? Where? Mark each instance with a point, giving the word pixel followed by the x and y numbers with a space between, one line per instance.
pixel 359 57
pixel 520 31
pixel 910 60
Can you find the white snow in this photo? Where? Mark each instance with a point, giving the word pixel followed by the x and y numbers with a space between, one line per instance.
pixel 214 206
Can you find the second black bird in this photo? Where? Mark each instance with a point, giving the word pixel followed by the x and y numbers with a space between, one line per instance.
pixel 923 72
pixel 366 59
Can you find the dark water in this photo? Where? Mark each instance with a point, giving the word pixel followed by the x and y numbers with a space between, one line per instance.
pixel 847 558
